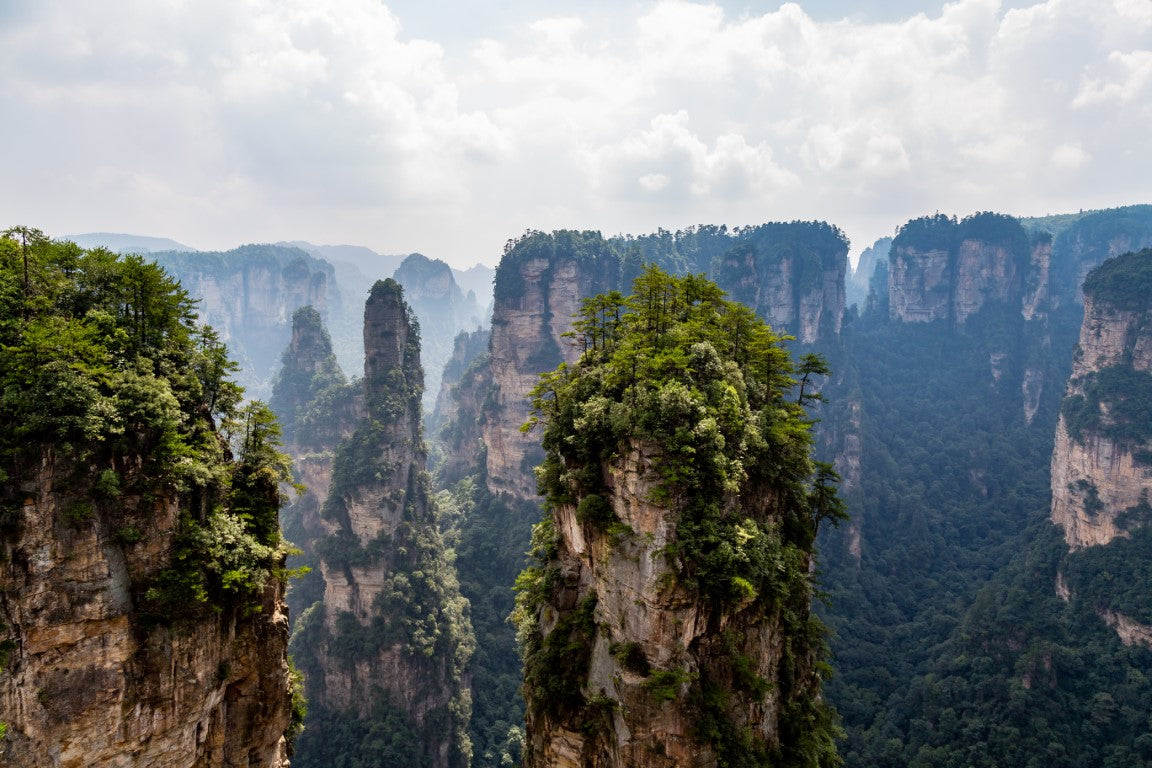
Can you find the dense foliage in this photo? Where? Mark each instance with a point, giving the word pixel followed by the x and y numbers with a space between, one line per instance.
pixel 943 233
pixel 1124 282
pixel 709 389
pixel 103 369
pixel 952 645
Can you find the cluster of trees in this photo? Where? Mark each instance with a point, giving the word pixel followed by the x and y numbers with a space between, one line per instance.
pixel 951 645
pixel 103 367
pixel 710 389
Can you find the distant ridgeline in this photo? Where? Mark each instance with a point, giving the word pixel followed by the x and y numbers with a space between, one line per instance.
pixel 249 294
pixel 141 562
pixel 965 632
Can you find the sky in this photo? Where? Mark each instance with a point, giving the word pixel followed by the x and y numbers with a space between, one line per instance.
pixel 450 127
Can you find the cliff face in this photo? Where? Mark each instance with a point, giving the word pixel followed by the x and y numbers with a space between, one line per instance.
pixel 941 269
pixel 861 278
pixel 390 638
pixel 141 563
pixel 667 623
pixel 791 274
pixel 650 638
pixel 442 310
pixel 88 682
pixel 248 296
pixel 318 409
pixel 539 286
pixel 1100 465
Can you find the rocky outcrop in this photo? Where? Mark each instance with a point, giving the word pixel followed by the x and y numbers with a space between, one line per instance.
pixel 248 296
pixel 791 274
pixel 860 281
pixel 667 622
pixel 318 408
pixel 650 638
pixel 539 285
pixel 469 351
pixel 391 633
pixel 944 269
pixel 87 680
pixel 442 310
pixel 1100 464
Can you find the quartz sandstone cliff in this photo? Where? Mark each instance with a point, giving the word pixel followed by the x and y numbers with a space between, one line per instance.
pixel 249 295
pixel 1102 460
pixel 651 640
pixel 91 681
pixel 1096 473
pixel 791 274
pixel 391 629
pixel 318 408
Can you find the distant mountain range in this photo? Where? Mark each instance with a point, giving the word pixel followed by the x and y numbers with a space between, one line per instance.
pixel 124 243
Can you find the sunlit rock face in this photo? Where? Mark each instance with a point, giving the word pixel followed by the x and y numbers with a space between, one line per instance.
pixel 88 680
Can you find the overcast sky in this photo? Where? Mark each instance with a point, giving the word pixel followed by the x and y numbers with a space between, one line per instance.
pixel 450 126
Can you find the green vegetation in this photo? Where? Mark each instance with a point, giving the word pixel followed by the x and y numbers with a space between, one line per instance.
pixel 1092 239
pixel 1120 391
pixel 103 367
pixel 418 623
pixel 386 738
pixel 1124 282
pixel 943 233
pixel 708 388
pixel 310 393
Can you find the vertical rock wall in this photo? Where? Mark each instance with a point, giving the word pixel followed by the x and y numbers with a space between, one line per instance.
pixel 88 680
pixel 391 633
pixel 1100 464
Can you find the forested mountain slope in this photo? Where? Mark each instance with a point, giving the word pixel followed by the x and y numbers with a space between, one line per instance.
pixel 952 645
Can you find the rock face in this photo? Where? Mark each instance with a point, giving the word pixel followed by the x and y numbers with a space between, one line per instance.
pixel 249 294
pixel 87 682
pixel 791 274
pixel 539 285
pixel 941 269
pixel 650 638
pixel 1100 465
pixel 390 638
pixel 318 408
pixel 442 310
pixel 861 278
pixel 668 621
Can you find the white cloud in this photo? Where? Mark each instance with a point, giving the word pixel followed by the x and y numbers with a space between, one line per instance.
pixel 217 121
pixel 1070 156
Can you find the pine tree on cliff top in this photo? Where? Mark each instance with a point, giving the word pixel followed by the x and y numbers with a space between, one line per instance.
pixel 705 393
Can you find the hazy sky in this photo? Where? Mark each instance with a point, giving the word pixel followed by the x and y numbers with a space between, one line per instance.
pixel 448 127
